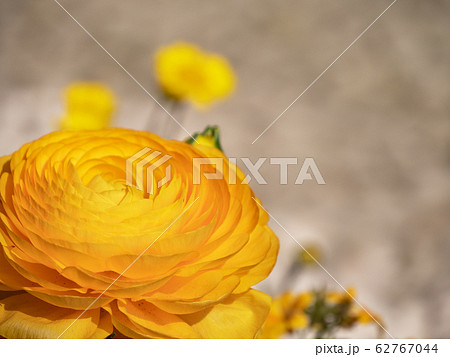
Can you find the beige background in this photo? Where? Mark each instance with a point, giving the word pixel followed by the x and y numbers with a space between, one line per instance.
pixel 377 124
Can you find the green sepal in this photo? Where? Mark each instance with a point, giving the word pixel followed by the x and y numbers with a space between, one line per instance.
pixel 210 132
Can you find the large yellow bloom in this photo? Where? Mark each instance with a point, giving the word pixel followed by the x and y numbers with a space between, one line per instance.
pixel 89 106
pixel 186 72
pixel 70 226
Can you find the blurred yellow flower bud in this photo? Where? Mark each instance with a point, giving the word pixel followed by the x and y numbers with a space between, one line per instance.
pixel 185 72
pixel 310 254
pixel 89 106
pixel 287 314
pixel 340 297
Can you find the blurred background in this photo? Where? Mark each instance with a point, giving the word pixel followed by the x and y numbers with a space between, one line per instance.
pixel 377 123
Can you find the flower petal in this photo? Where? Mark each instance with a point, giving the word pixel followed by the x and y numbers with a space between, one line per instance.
pixel 75 301
pixel 152 320
pixel 238 316
pixel 24 316
pixel 105 326
pixel 9 276
pixel 217 295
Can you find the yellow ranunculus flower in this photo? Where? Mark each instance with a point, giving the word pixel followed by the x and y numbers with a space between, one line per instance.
pixel 89 106
pixel 70 226
pixel 184 71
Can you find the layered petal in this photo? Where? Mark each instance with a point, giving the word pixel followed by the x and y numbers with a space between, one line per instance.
pixel 24 316
pixel 239 316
